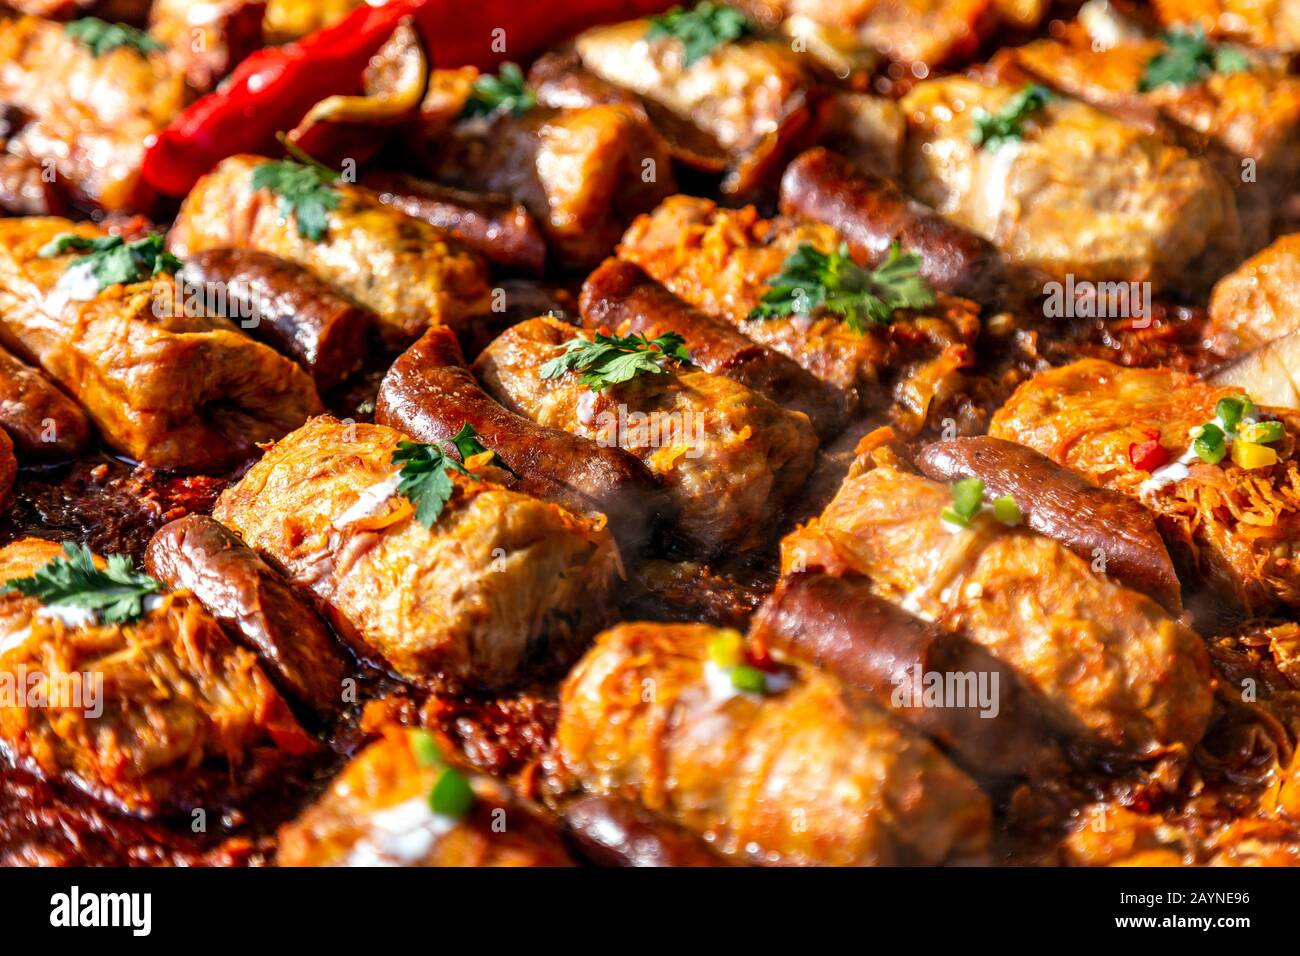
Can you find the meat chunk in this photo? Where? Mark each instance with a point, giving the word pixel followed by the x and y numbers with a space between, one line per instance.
pixel 995 730
pixel 27 189
pixel 1272 24
pixel 90 116
pixel 254 604
pixel 8 468
pixel 620 298
pixel 205 39
pixel 153 715
pixel 43 422
pixel 284 305
pixel 800 775
pixel 1091 521
pixel 729 458
pixel 754 97
pixel 169 389
pixel 409 273
pixel 378 812
pixel 582 173
pixel 610 831
pixel 1109 667
pixel 1256 303
pixel 1235 526
pixel 501 586
pixel 430 394
pixel 721 260
pixel 1081 193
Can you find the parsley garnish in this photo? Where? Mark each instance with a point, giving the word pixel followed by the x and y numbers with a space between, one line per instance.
pixel 112 259
pixel 611 359
pixel 103 37
pixel 506 93
pixel 305 188
pixel 1189 58
pixel 810 279
pixel 116 593
pixel 426 471
pixel 700 30
pixel 995 130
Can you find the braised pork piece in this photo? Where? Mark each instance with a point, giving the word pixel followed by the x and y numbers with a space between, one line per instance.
pixel 764 433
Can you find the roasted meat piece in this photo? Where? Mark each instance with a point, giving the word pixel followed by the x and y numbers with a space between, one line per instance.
pixel 501 587
pixel 206 39
pixel 1109 667
pixel 729 458
pixel 43 422
pixel 1080 192
pixel 150 716
pixel 798 774
pixel 409 273
pixel 1256 302
pixel 1272 24
pixel 721 261
pixel 378 812
pixel 582 173
pixel 1235 526
pixel 172 390
pixel 90 116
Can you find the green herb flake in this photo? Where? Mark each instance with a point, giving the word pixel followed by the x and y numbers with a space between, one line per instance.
pixel 1263 433
pixel 115 593
pixel 426 478
pixel 810 279
pixel 507 92
pixel 995 130
pixel 1188 59
pixel 425 748
pixel 701 30
pixel 612 359
pixel 103 37
pixel 305 187
pixel 111 259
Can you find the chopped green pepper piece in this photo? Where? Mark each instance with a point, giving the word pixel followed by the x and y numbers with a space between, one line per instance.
pixel 451 796
pixel 1232 409
pixel 1261 433
pixel 967 495
pixel 425 749
pixel 1209 445
pixel 746 678
pixel 1007 511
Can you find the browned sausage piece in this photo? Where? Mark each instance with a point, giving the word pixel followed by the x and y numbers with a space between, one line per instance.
pixel 871 214
pixel 282 304
pixel 495 226
pixel 8 468
pixel 1093 522
pixel 884 652
pixel 429 394
pixel 621 297
pixel 610 831
pixel 253 604
pixel 43 422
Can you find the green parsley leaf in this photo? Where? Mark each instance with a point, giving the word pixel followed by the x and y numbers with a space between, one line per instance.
pixel 995 130
pixel 467 443
pixel 426 478
pixel 112 259
pixel 1188 59
pixel 116 593
pixel 305 188
pixel 507 92
pixel 810 279
pixel 701 30
pixel 103 37
pixel 611 359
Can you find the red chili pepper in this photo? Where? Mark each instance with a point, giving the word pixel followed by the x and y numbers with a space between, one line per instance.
pixel 1147 455
pixel 274 88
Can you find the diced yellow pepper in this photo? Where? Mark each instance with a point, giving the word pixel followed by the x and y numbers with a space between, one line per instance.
pixel 725 649
pixel 1247 454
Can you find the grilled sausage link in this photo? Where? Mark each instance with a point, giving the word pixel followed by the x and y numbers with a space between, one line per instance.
pixel 613 832
pixel 877 648
pixel 430 394
pixel 254 604
pixel 42 421
pixel 872 214
pixel 1089 520
pixel 801 774
pixel 620 297
pixel 287 307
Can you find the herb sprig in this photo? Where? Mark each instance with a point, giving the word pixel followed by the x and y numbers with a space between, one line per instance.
pixel 111 259
pixel 426 470
pixel 700 30
pixel 305 187
pixel 810 279
pixel 611 359
pixel 995 130
pixel 507 92
pixel 102 37
pixel 1188 59
pixel 115 593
